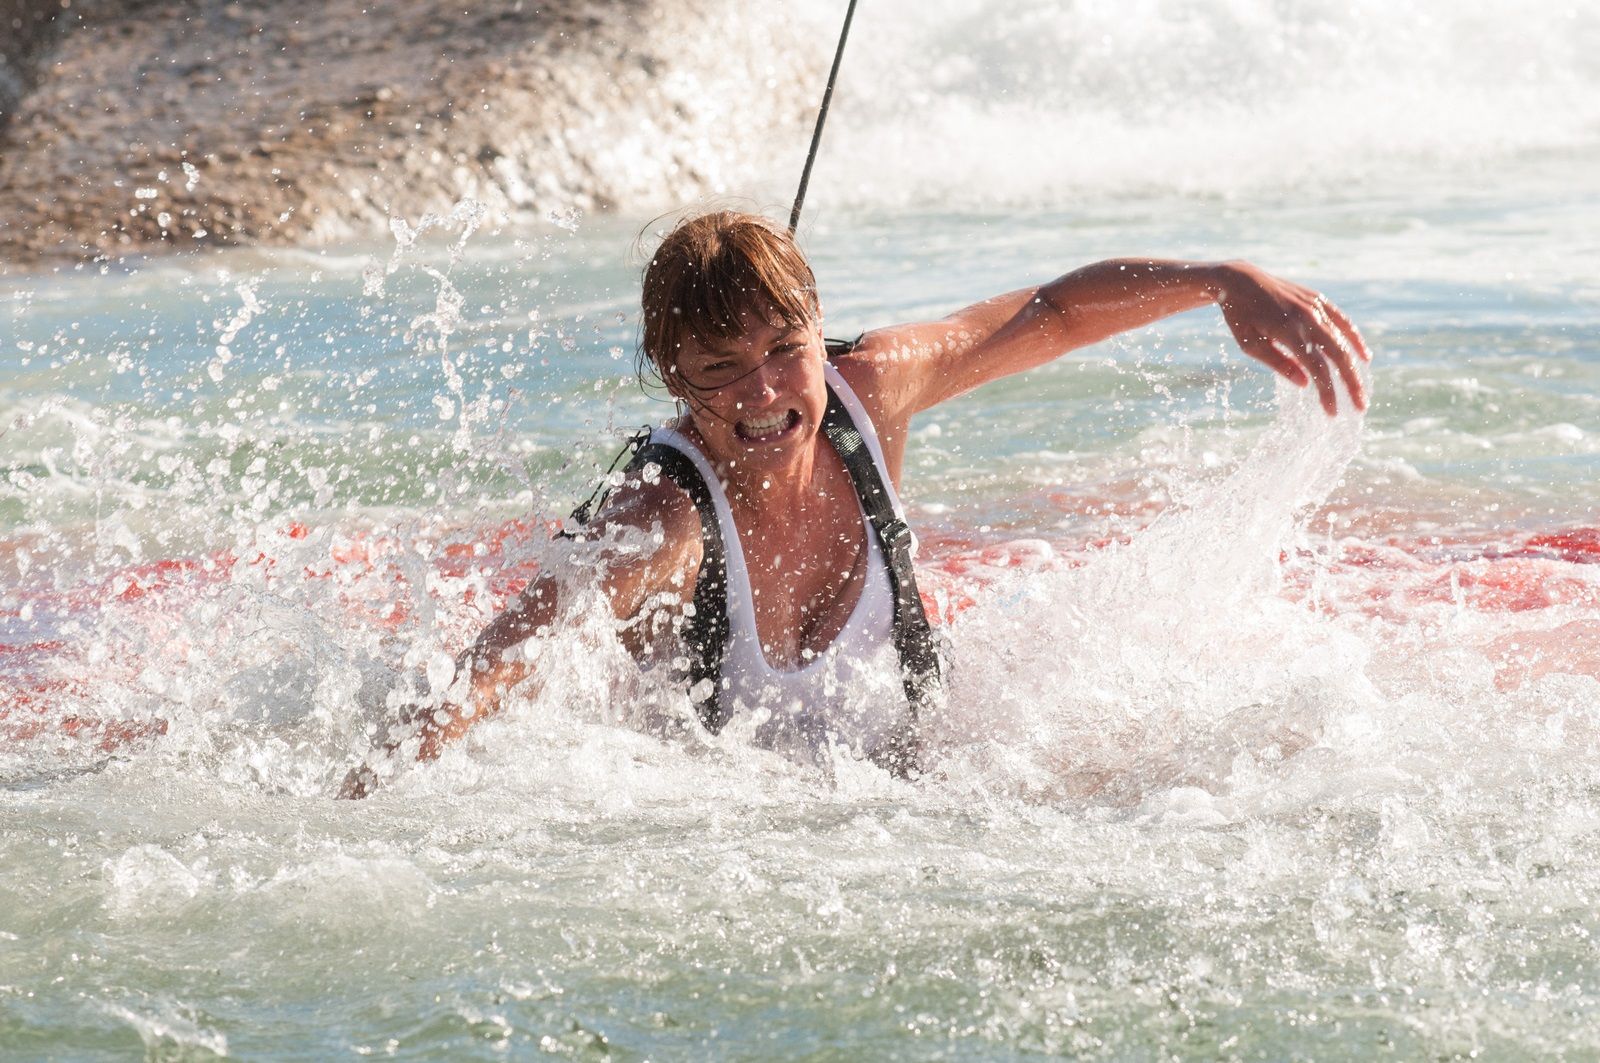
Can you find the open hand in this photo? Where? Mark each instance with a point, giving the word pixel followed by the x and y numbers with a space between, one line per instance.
pixel 432 727
pixel 361 781
pixel 1295 331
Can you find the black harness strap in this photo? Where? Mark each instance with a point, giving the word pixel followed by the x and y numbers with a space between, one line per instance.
pixel 705 631
pixel 705 627
pixel 913 638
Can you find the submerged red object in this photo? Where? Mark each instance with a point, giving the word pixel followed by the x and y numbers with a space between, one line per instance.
pixel 53 688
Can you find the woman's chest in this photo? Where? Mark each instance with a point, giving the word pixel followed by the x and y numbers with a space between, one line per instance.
pixel 805 579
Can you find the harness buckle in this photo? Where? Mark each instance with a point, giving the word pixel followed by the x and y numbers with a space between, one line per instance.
pixel 896 535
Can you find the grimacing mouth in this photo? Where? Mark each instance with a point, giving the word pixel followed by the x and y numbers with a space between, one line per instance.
pixel 767 427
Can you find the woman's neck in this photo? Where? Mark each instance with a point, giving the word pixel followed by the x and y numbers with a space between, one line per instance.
pixel 770 491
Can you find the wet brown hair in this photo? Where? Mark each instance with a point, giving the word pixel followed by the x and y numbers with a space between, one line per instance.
pixel 710 268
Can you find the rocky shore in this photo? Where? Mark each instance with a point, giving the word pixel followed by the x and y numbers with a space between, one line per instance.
pixel 139 125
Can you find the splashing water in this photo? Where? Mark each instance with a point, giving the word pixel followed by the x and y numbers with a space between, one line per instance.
pixel 1246 723
pixel 1268 736
pixel 1044 103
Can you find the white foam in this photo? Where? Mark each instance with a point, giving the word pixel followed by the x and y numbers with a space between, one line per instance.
pixel 959 102
pixel 147 880
pixel 167 1028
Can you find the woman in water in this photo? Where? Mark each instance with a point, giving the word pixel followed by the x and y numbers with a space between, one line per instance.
pixel 770 568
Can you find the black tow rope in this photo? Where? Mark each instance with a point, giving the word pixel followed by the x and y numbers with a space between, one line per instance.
pixel 822 116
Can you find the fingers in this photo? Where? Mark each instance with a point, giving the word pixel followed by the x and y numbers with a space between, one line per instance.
pixel 1352 379
pixel 1267 353
pixel 1297 333
pixel 1317 348
pixel 1352 335
pixel 1315 363
pixel 358 784
pixel 1327 339
pixel 1318 339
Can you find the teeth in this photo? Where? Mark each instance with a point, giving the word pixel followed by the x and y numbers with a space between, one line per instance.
pixel 763 425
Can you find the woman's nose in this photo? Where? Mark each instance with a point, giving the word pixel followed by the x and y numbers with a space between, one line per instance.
pixel 759 390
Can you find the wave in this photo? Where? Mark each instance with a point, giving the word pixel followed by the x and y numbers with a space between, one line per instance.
pixel 1037 102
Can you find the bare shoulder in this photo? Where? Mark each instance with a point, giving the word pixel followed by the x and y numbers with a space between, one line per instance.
pixel 648 501
pixel 898 364
pixel 876 370
pixel 653 530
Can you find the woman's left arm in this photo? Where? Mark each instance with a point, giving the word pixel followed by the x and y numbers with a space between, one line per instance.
pixel 1293 330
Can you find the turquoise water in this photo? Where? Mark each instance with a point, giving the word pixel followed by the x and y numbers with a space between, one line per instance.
pixel 1270 737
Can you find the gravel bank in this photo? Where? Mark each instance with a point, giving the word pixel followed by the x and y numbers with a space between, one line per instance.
pixel 148 126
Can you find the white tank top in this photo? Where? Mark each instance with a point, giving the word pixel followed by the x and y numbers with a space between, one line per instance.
pixel 849 693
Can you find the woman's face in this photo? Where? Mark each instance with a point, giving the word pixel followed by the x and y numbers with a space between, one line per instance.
pixel 757 398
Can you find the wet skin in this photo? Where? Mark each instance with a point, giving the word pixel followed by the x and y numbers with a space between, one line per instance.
pixel 755 406
pixel 793 503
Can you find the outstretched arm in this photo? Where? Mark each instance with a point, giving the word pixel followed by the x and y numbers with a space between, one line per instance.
pixel 491 673
pixel 634 576
pixel 1293 330
pixel 490 670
